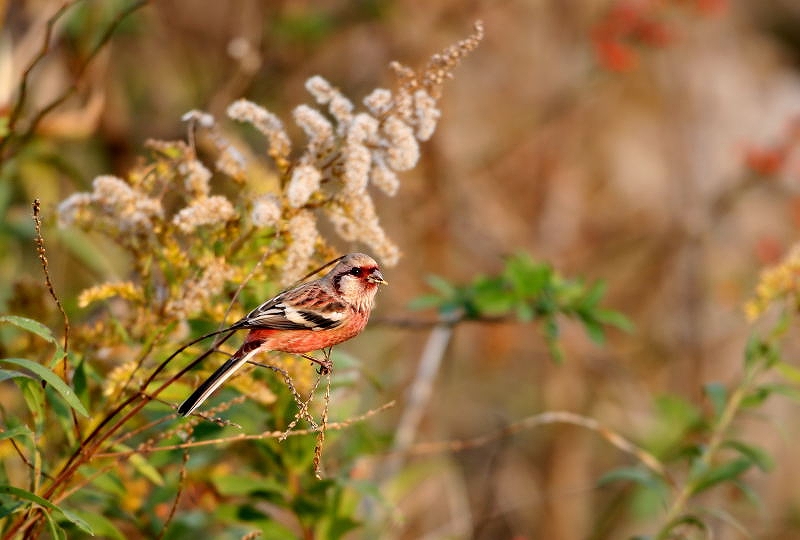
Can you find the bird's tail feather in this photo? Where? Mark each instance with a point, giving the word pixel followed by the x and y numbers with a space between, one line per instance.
pixel 210 385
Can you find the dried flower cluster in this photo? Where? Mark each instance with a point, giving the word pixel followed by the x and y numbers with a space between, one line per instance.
pixel 779 282
pixel 188 244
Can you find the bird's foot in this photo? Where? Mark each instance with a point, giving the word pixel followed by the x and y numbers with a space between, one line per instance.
pixel 325 365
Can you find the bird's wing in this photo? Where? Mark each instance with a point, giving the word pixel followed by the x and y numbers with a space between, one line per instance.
pixel 308 307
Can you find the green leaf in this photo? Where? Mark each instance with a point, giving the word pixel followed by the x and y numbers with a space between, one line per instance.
pixel 723 473
pixel 146 469
pixel 759 350
pixel 426 301
pixel 240 485
pixel 614 318
pixel 525 312
pixel 32 497
pixel 80 382
pixel 788 372
pixel 757 396
pixel 594 330
pixel 31 326
pixel 101 525
pixel 748 492
pixel 6 374
pixel 718 395
pixel 636 475
pixel 56 532
pixel 51 378
pixel 33 394
pixel 527 277
pixel 785 390
pixel 758 456
pixel 687 519
pixel 752 351
pixel 490 296
pixel 441 285
pixel 594 295
pixel 15 432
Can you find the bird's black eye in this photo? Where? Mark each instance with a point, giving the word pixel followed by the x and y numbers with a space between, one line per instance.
pixel 357 271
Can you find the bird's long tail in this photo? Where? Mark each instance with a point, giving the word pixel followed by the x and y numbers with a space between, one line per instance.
pixel 222 374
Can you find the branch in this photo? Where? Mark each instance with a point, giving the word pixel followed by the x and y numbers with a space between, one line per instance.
pixel 549 417
pixel 255 437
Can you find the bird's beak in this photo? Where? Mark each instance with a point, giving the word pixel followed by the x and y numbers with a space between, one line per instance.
pixel 377 277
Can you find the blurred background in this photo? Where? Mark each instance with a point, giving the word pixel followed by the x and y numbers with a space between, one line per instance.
pixel 650 144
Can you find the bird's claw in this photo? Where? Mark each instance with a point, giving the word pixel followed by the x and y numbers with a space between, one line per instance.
pixel 325 366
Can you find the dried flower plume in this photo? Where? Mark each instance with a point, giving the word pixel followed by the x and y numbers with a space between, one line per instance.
pixel 202 241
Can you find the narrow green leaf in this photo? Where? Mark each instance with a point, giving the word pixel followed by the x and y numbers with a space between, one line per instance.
pixel 594 330
pixel 51 378
pixel 752 350
pixel 791 392
pixel 11 508
pixel 525 312
pixel 101 525
pixel 146 469
pixel 718 395
pixel 594 295
pixel 441 285
pixel 56 532
pixel 6 374
pixel 15 432
pixel 241 485
pixel 527 277
pixel 748 492
pixel 757 396
pixel 687 519
pixel 490 296
pixel 614 318
pixel 788 372
pixel 33 394
pixel 425 302
pixel 758 456
pixel 80 382
pixel 31 326
pixel 62 412
pixel 722 473
pixel 32 497
pixel 636 475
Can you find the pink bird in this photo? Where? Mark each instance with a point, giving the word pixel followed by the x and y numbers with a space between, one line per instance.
pixel 312 316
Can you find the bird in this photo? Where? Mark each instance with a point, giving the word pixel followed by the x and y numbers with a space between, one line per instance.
pixel 308 317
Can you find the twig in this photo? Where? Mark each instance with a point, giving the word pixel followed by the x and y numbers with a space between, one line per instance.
pixel 419 394
pixel 39 240
pixel 252 437
pixel 22 93
pixel 174 507
pixel 415 323
pixel 718 435
pixel 549 417
pixel 25 459
pixel 82 68
pixel 323 421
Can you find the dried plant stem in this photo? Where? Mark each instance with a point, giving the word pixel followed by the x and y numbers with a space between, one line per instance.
pixel 22 92
pixel 174 507
pixel 549 417
pixel 84 65
pixel 720 431
pixel 252 437
pixel 39 239
pixel 323 424
pixel 419 393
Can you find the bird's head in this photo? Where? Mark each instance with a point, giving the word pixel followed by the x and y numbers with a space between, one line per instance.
pixel 356 277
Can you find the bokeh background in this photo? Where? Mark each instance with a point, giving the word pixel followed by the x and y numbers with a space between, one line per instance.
pixel 650 144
